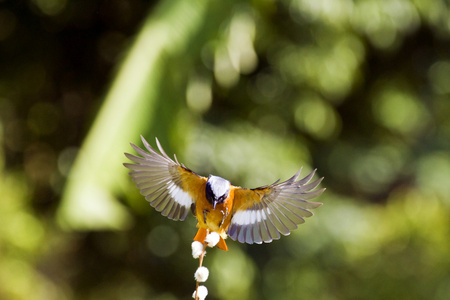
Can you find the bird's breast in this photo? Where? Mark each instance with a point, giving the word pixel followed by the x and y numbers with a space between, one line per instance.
pixel 215 219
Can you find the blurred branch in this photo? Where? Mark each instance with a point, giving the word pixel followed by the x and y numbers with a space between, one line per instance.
pixel 88 201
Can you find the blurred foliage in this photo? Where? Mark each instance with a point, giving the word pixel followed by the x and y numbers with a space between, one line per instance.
pixel 249 91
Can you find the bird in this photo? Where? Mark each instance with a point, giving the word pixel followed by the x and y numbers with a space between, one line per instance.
pixel 252 216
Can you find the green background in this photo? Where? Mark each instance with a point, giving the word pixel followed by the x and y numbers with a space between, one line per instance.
pixel 247 90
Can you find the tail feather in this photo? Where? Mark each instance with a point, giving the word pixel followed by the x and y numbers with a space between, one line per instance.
pixel 201 235
pixel 222 245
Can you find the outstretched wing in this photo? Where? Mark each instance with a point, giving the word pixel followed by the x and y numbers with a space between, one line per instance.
pixel 169 186
pixel 261 214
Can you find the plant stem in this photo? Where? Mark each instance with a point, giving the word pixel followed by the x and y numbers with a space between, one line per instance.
pixel 200 259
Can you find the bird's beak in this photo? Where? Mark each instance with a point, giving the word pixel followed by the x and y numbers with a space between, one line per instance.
pixel 214 203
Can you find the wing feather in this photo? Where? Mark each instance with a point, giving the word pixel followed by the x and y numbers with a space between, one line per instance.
pixel 169 186
pixel 262 214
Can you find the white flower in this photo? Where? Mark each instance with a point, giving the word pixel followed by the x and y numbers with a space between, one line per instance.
pixel 197 249
pixel 202 292
pixel 212 239
pixel 201 275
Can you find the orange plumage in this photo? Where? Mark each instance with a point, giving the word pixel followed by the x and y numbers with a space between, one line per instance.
pixel 247 215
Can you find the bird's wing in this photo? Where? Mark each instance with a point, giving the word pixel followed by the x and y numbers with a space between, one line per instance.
pixel 261 214
pixel 169 186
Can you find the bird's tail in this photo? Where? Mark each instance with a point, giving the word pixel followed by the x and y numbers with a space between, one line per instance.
pixel 201 235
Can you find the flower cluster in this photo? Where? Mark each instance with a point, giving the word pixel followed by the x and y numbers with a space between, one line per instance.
pixel 202 273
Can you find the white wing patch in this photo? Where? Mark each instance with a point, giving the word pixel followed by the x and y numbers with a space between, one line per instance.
pixel 158 179
pixel 180 196
pixel 279 211
pixel 246 217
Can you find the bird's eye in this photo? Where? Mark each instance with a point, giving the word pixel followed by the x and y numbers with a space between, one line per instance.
pixel 222 198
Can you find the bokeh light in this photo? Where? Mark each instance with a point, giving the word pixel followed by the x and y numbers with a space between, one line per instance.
pixel 248 91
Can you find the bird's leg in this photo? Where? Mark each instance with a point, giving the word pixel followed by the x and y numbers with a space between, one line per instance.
pixel 225 215
pixel 205 212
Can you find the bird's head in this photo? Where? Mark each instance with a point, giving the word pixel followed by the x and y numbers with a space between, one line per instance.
pixel 217 190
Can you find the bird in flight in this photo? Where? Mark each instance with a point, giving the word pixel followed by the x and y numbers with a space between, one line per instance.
pixel 247 215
